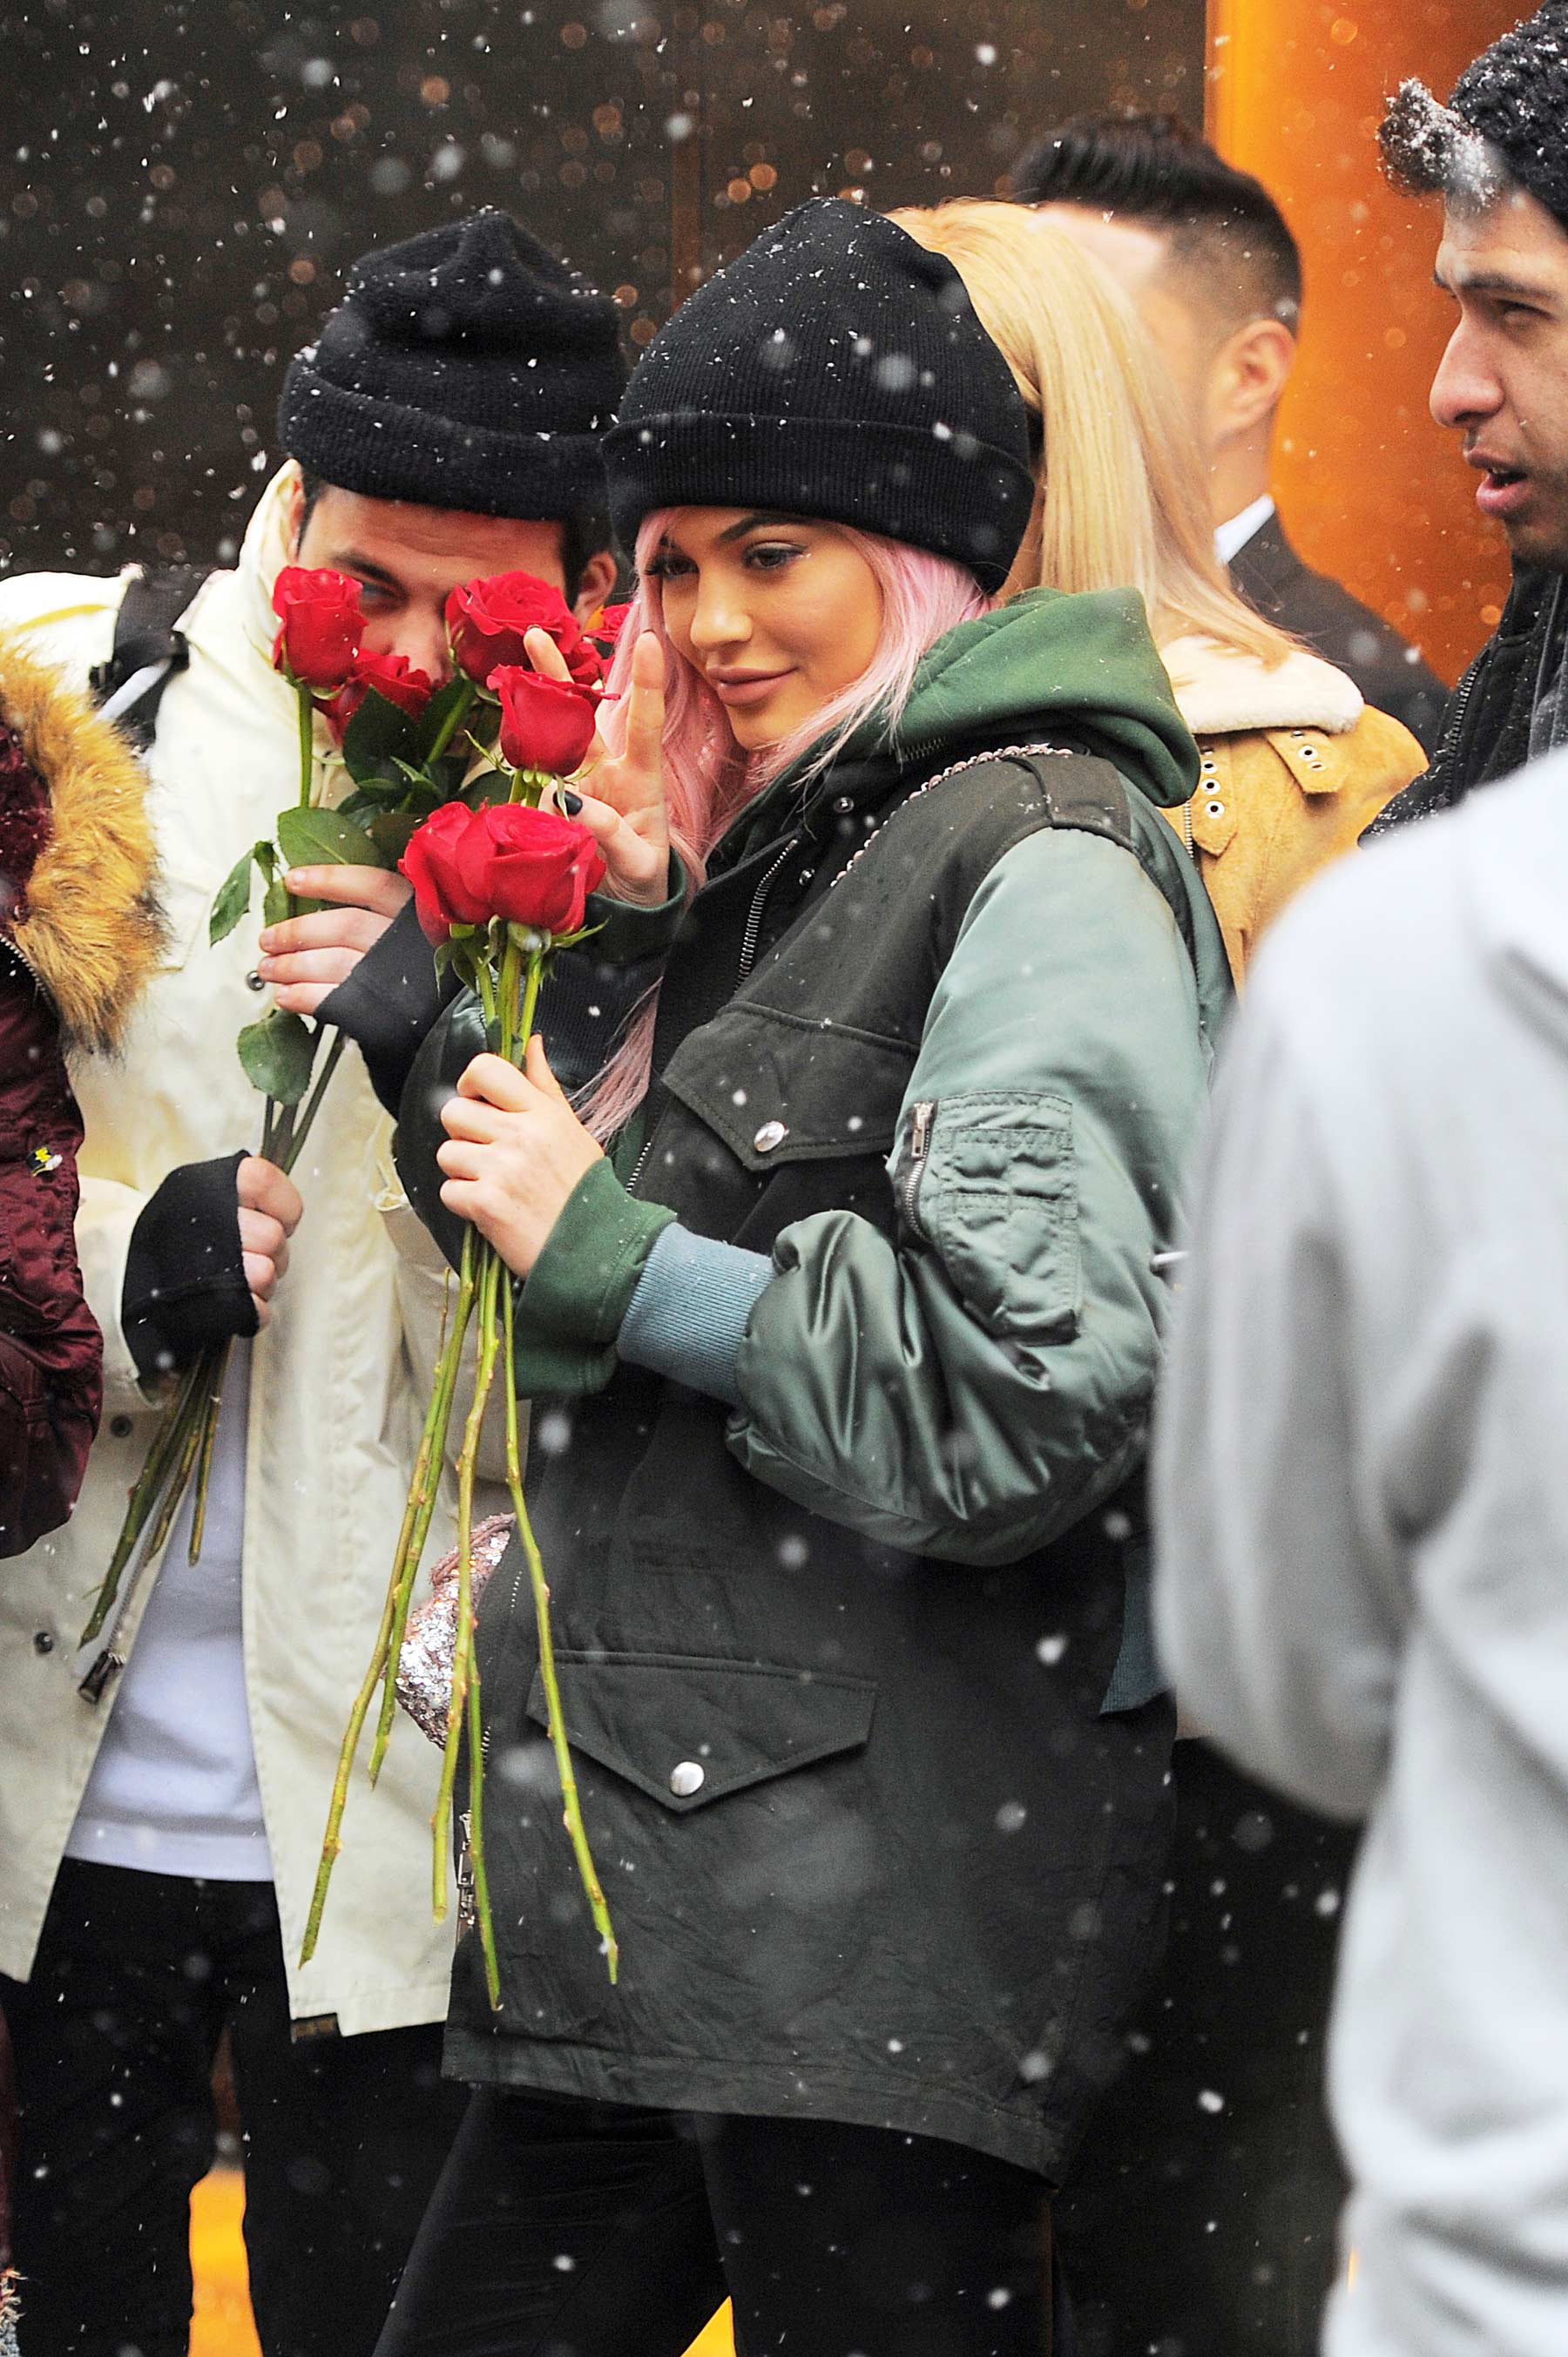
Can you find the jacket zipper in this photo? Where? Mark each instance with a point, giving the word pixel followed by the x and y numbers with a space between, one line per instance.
pixel 1448 747
pixel 20 954
pixel 753 920
pixel 913 1168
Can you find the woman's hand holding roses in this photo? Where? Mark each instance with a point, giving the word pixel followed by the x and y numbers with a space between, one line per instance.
pixel 514 1152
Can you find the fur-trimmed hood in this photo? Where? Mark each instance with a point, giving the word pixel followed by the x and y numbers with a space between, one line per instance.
pixel 85 918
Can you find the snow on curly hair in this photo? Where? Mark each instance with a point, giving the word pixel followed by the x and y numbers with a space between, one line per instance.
pixel 1428 150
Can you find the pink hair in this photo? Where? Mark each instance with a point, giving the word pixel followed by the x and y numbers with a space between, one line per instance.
pixel 708 779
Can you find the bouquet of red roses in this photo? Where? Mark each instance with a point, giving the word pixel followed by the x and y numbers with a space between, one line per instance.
pixel 410 751
pixel 498 890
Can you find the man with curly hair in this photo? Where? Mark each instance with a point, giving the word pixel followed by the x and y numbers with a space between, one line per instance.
pixel 1496 157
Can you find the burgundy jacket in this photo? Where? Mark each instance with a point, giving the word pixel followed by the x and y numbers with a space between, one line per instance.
pixel 79 934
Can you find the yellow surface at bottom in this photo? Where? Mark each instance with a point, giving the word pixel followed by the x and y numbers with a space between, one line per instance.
pixel 222 2326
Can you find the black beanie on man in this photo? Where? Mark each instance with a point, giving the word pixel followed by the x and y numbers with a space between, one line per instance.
pixel 835 370
pixel 1508 108
pixel 466 367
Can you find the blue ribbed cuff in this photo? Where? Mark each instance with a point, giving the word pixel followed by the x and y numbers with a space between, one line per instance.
pixel 690 1309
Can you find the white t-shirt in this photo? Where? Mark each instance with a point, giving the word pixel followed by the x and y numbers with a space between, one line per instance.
pixel 174 1789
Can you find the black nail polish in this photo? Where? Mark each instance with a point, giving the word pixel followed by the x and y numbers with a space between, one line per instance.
pixel 570 803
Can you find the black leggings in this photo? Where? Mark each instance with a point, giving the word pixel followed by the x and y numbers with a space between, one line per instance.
pixel 576 2229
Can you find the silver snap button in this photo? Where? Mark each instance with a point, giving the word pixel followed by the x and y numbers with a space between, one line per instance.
pixel 771 1134
pixel 1215 809
pixel 687 1776
pixel 253 981
pixel 844 804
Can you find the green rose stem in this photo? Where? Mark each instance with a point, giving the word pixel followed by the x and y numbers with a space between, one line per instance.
pixel 462 707
pixel 514 1047
pixel 423 1493
pixel 483 1280
pixel 183 1443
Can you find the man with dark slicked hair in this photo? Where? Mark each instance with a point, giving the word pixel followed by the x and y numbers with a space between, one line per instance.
pixel 1208 257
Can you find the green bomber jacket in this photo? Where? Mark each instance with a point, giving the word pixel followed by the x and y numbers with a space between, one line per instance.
pixel 845 1363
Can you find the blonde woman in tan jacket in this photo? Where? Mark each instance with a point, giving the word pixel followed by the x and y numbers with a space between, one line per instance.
pixel 1202 2211
pixel 1294 764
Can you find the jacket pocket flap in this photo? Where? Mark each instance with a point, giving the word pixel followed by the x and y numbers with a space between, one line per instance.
pixel 690 1729
pixel 783 1088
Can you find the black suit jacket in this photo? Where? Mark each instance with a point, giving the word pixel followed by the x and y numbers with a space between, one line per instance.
pixel 1317 609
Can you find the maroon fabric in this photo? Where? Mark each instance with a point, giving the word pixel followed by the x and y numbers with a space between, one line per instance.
pixel 24 825
pixel 51 1353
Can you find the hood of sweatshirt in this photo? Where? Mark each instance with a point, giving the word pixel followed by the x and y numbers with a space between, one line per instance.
pixel 1085 665
pixel 1044 666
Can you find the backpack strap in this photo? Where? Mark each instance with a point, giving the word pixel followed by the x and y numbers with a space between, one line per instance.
pixel 148 648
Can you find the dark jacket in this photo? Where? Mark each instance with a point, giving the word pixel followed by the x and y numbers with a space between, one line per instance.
pixel 1320 611
pixel 1485 728
pixel 78 936
pixel 834 1656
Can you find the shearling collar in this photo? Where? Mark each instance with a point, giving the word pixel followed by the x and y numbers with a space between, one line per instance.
pixel 1224 693
pixel 91 932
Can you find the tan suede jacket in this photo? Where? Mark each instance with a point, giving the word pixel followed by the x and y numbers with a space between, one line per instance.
pixel 1294 767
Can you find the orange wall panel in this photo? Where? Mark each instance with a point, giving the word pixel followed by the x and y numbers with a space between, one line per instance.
pixel 1371 490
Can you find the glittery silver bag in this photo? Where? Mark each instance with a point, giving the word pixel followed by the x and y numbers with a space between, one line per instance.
pixel 425 1664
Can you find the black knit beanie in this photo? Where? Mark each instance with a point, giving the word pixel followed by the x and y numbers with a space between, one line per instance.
pixel 1508 107
pixel 835 370
pixel 466 367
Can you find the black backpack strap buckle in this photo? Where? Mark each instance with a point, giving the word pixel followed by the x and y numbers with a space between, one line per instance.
pixel 148 648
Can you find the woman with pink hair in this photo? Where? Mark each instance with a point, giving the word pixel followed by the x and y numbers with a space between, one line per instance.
pixel 842 1295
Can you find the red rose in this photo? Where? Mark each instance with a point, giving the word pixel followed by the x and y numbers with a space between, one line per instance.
pixel 541 866
pixel 529 866
pixel 487 621
pixel 440 897
pixel 584 661
pixel 608 624
pixel 393 676
pixel 546 724
pixel 319 641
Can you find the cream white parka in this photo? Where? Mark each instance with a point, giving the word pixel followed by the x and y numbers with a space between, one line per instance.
pixel 339 1375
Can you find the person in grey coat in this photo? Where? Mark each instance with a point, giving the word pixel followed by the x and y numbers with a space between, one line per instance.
pixel 1362 1497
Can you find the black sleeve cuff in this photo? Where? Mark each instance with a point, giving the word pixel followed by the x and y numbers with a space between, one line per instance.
pixel 389 1004
pixel 457 1039
pixel 185 1274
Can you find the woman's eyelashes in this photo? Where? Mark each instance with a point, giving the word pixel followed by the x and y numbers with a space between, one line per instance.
pixel 762 556
pixel 772 556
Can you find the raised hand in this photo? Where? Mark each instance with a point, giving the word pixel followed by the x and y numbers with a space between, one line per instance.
pixel 622 793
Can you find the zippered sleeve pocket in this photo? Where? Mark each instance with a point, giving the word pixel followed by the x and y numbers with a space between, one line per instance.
pixel 988 1178
pixel 908 1165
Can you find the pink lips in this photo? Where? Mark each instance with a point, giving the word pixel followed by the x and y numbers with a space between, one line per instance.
pixel 746 687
